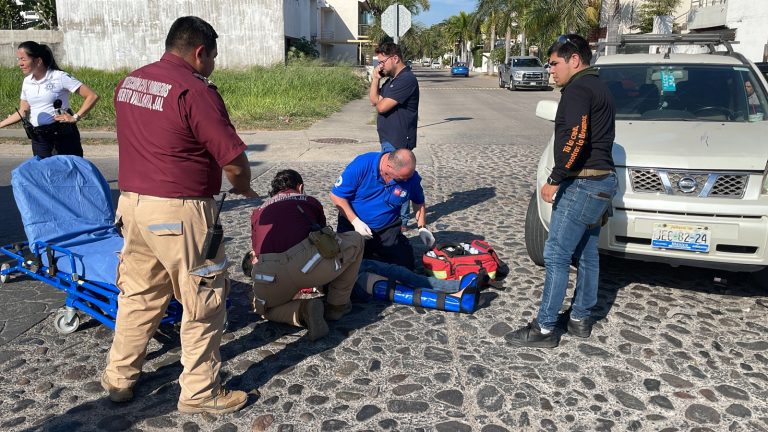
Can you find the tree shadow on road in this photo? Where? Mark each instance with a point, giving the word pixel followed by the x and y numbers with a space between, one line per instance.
pixel 617 274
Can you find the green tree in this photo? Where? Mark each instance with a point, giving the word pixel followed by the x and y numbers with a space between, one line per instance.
pixel 461 29
pixel 45 9
pixel 10 18
pixel 652 8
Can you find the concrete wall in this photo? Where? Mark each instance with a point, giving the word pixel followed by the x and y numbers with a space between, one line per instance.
pixel 113 34
pixel 749 18
pixel 10 39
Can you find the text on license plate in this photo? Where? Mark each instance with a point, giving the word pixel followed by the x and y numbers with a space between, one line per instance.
pixel 681 237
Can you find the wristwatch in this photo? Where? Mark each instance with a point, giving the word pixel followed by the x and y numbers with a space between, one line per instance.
pixel 76 117
pixel 552 182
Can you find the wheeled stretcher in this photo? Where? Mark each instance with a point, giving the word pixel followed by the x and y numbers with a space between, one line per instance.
pixel 72 242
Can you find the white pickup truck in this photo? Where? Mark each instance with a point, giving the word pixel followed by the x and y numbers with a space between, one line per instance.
pixel 523 72
pixel 690 157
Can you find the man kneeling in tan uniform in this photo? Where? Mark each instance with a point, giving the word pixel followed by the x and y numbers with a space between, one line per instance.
pixel 285 259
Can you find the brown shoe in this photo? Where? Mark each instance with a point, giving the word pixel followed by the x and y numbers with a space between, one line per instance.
pixel 311 314
pixel 335 312
pixel 118 395
pixel 226 401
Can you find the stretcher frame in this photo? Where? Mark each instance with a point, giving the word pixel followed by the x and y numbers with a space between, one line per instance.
pixel 93 298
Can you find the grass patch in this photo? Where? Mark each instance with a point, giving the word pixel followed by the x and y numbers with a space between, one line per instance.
pixel 278 97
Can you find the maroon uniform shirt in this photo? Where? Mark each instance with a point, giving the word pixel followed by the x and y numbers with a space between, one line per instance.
pixel 173 131
pixel 277 225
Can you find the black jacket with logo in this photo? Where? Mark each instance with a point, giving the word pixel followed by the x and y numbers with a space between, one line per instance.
pixel 584 126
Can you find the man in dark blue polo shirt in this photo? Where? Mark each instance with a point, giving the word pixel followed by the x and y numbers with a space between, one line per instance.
pixel 369 194
pixel 397 104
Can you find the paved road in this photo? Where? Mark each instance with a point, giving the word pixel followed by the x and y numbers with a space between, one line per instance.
pixel 672 350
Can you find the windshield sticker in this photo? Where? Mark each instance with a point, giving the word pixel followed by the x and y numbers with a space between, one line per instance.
pixel 668 81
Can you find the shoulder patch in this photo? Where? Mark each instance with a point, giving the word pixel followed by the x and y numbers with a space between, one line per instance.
pixel 207 82
pixel 339 181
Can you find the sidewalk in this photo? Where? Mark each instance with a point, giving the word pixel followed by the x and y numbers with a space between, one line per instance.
pixel 342 136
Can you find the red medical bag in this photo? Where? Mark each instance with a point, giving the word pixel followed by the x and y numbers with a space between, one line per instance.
pixel 452 261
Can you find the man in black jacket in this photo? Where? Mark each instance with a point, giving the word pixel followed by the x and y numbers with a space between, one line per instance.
pixel 580 187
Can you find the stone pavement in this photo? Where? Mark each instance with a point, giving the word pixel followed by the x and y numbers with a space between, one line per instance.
pixel 671 351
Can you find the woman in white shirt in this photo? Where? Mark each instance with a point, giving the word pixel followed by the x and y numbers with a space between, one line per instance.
pixel 45 91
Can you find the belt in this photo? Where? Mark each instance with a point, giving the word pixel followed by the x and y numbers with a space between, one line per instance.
pixel 589 172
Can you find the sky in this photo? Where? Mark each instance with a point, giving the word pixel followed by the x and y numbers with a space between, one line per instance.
pixel 442 9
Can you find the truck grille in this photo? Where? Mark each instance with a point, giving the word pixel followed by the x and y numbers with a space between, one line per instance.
pixel 688 183
pixel 532 76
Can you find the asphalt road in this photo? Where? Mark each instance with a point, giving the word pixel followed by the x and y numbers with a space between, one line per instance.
pixel 674 348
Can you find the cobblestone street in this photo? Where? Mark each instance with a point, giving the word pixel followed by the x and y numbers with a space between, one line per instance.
pixel 673 350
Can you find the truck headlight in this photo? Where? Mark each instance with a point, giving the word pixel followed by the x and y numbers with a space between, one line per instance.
pixel 518 75
pixel 764 188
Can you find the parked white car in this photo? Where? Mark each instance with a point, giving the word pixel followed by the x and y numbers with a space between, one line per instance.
pixel 691 159
pixel 436 64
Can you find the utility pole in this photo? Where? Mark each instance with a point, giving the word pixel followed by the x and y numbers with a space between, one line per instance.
pixel 397 23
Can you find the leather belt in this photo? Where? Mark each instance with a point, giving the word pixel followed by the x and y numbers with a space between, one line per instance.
pixel 589 172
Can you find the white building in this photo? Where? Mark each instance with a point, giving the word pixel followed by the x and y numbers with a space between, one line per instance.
pixel 113 34
pixel 744 20
pixel 337 27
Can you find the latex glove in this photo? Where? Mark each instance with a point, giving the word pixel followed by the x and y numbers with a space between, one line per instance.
pixel 427 237
pixel 362 228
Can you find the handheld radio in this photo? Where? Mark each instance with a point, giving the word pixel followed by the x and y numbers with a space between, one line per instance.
pixel 215 235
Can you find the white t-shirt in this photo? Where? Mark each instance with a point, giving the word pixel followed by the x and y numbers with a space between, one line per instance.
pixel 40 95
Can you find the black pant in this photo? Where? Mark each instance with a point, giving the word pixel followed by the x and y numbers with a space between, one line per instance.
pixel 387 245
pixel 57 138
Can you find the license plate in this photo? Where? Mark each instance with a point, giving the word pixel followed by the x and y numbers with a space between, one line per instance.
pixel 681 237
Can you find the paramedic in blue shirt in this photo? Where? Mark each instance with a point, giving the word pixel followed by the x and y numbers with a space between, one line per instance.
pixel 369 194
pixel 397 104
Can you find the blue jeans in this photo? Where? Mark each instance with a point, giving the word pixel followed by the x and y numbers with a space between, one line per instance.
pixel 573 232
pixel 387 147
pixel 398 273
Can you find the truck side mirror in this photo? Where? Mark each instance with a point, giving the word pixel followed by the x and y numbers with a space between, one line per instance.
pixel 546 109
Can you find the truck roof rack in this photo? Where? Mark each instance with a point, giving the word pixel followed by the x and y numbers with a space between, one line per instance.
pixel 709 40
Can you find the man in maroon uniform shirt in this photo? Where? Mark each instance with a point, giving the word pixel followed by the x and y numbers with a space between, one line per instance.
pixel 286 260
pixel 174 137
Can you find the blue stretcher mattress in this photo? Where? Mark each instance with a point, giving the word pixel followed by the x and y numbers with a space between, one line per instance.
pixel 66 202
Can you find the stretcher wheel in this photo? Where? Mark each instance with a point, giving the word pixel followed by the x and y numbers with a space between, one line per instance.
pixel 64 325
pixel 4 278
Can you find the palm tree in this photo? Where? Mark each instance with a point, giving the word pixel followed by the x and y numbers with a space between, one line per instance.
pixel 489 13
pixel 461 28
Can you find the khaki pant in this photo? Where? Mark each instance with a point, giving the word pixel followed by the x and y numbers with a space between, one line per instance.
pixel 278 277
pixel 162 257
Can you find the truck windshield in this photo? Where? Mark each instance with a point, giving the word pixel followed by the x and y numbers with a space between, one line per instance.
pixel 531 62
pixel 686 92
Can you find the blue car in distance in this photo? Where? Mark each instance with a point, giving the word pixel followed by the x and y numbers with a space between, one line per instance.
pixel 460 69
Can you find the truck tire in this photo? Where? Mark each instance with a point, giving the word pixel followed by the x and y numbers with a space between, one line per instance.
pixel 501 81
pixel 535 233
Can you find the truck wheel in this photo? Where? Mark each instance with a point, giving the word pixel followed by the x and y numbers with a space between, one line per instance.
pixel 501 82
pixel 535 233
